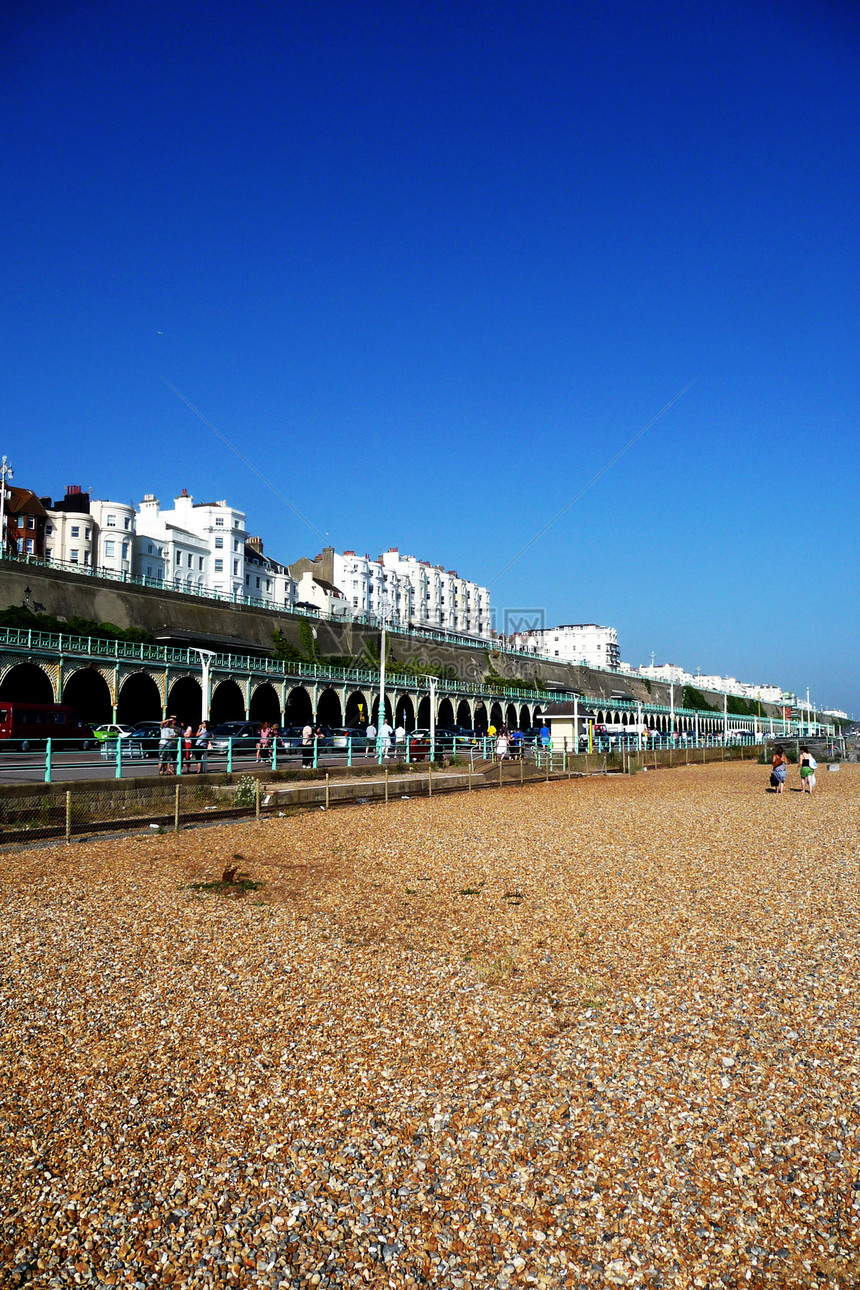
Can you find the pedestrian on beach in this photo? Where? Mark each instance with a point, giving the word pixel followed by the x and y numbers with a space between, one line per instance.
pixel 778 769
pixel 808 767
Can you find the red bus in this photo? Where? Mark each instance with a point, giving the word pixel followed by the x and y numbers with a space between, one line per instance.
pixel 31 725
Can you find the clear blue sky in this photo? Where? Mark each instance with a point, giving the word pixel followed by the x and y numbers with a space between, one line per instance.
pixel 430 266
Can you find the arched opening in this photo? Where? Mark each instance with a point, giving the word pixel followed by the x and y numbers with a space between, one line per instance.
pixel 27 683
pixel 511 716
pixel 356 710
pixel 525 717
pixel 496 718
pixel 88 693
pixel 297 709
pixel 185 701
pixel 405 712
pixel 376 710
pixel 423 720
pixel 481 719
pixel 139 699
pixel 227 703
pixel 538 716
pixel 329 711
pixel 445 716
pixel 464 714
pixel 264 704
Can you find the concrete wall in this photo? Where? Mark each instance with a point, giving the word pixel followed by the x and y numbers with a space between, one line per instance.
pixel 66 595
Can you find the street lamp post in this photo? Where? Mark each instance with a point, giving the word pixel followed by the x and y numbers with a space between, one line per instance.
pixel 206 657
pixel 6 472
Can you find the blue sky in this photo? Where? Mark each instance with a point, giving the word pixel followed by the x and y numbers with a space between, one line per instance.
pixel 431 266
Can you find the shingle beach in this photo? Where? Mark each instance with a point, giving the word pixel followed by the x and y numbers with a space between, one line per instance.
pixel 594 1033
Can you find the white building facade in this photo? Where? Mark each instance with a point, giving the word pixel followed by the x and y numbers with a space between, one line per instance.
pixel 584 643
pixel 201 545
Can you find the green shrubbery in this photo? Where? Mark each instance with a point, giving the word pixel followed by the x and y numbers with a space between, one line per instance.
pixel 18 616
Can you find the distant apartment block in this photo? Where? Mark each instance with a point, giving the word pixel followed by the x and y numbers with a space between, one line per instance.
pixel 585 643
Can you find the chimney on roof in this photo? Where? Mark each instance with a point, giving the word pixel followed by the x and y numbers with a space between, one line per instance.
pixel 72 489
pixel 184 493
pixel 256 544
pixel 393 548
pixel 349 553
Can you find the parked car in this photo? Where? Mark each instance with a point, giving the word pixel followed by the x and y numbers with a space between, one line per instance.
pixel 142 740
pixel 244 735
pixel 112 731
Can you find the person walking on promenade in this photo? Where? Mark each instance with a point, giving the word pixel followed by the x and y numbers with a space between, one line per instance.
pixel 370 736
pixel 166 745
pixel 201 747
pixel 779 768
pixel 187 736
pixel 808 767
pixel 385 733
pixel 307 745
pixel 263 745
pixel 502 745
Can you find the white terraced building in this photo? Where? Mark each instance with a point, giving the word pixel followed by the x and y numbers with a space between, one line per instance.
pixel 584 643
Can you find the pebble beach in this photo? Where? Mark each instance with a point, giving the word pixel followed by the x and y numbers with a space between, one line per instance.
pixel 599 1032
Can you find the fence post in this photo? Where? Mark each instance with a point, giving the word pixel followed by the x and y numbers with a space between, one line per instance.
pixel 230 755
pixel 118 771
pixel 68 814
pixel 176 811
pixel 256 798
pixel 179 751
pixel 326 790
pixel 471 763
pixel 316 752
pixel 349 750
pixel 48 762
pixel 522 764
pixel 274 752
pixel 500 772
pixel 429 779
pixel 386 787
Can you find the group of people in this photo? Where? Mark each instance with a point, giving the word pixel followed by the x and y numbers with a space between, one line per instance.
pixel 779 770
pixel 178 744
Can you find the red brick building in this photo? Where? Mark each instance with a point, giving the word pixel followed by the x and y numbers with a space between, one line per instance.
pixel 24 523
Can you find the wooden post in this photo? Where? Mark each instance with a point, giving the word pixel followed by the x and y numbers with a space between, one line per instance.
pixel 68 814
pixel 500 772
pixel 256 798
pixel 522 765
pixel 176 811
pixel 386 787
pixel 429 778
pixel 470 774
pixel 326 789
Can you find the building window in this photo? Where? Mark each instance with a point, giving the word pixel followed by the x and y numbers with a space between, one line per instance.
pixel 149 570
pixel 29 546
pixel 86 557
pixel 178 558
pixel 126 523
pixel 86 533
pixel 31 521
pixel 219 566
pixel 125 550
pixel 149 548
pixel 219 522
pixel 200 562
pixel 236 545
pixel 109 548
pixel 49 528
pixel 76 530
pixel 258 584
pixel 219 544
pixel 235 568
pixel 73 555
pixel 110 520
pixel 47 553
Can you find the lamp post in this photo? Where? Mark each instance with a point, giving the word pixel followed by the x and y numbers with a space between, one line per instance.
pixel 6 472
pixel 383 623
pixel 206 657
